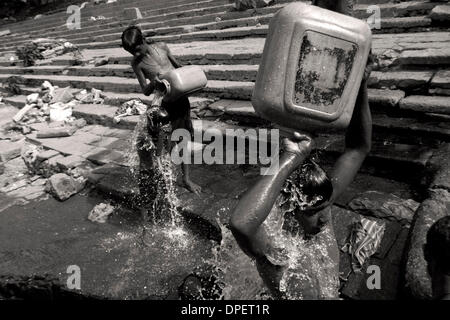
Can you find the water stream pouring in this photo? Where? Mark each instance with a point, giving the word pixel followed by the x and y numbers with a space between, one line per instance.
pixel 311 69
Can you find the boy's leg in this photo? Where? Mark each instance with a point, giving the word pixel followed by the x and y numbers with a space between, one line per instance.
pixel 180 112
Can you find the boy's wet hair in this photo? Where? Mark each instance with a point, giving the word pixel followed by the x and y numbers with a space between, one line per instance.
pixel 132 39
pixel 437 247
pixel 315 183
pixel 307 188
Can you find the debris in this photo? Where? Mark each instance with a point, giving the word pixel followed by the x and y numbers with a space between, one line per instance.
pixel 12 84
pixel 62 95
pixel 63 186
pixel 23 112
pixel 56 132
pixel 130 108
pixel 78 123
pixel 242 5
pixel 101 61
pixel 95 96
pixel 100 213
pixel 45 48
pixel 97 18
pixel 60 111
pixel 30 155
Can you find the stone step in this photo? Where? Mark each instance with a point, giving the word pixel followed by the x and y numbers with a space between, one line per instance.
pixel 388 10
pixel 392 25
pixel 167 18
pixel 411 156
pixel 242 90
pixel 420 126
pixel 214 89
pixel 410 81
pixel 109 12
pixel 396 50
pixel 213 72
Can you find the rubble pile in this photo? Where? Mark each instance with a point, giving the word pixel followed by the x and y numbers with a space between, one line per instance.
pixel 28 171
pixel 45 48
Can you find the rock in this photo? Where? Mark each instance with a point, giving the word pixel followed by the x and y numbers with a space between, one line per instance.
pixel 69 162
pixel 100 213
pixel 56 132
pixel 384 206
pixel 47 154
pixel 30 157
pixel 441 79
pixel 101 61
pixel 132 14
pixel 417 278
pixel 15 186
pixel 10 150
pixel 440 168
pixel 79 123
pixel 63 186
pixel 440 13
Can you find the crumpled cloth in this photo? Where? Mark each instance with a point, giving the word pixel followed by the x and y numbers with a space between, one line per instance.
pixel 364 241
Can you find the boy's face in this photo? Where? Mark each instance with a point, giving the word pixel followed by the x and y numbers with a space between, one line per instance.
pixel 313 223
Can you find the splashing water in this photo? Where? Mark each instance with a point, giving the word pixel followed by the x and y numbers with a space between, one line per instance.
pixel 310 266
pixel 142 156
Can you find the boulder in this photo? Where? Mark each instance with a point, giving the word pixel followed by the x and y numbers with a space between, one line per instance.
pixel 63 186
pixel 417 278
pixel 440 13
pixel 385 206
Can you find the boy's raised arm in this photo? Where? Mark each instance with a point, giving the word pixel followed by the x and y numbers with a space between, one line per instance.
pixel 358 142
pixel 257 202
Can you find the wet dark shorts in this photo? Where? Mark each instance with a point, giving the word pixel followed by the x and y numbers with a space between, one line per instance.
pixel 179 113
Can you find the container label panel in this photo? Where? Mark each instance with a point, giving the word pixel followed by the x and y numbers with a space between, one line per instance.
pixel 323 69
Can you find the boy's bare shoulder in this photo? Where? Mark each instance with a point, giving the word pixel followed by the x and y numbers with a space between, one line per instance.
pixel 162 45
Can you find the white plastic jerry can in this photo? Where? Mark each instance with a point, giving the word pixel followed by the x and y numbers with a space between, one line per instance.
pixel 183 81
pixel 311 69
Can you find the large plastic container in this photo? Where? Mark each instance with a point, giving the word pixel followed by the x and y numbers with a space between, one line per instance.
pixel 183 81
pixel 311 69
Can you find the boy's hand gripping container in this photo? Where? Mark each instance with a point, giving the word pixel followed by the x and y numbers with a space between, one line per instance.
pixel 311 69
pixel 183 81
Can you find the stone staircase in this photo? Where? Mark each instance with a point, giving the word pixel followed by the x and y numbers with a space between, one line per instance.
pixel 409 89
